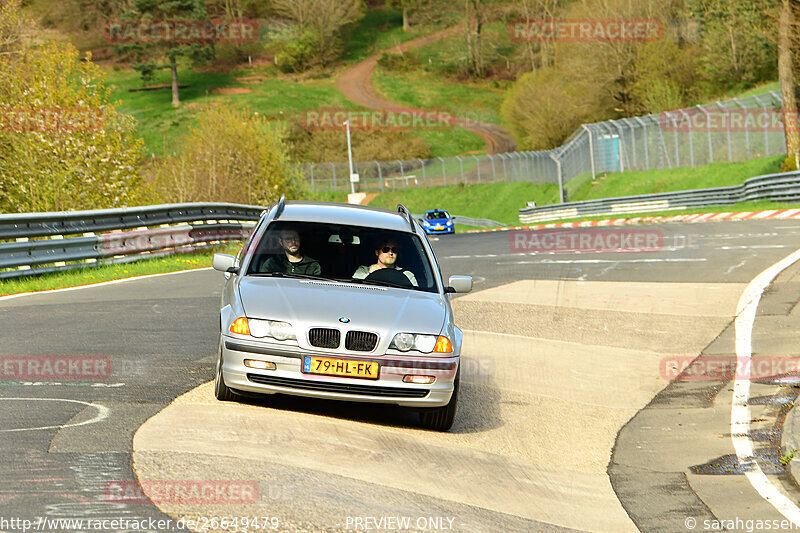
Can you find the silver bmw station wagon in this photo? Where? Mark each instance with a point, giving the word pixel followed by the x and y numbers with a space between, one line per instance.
pixel 340 302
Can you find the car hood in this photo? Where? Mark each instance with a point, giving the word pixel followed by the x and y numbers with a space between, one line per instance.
pixel 438 220
pixel 310 303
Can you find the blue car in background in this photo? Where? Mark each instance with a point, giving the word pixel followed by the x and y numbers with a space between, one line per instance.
pixel 438 221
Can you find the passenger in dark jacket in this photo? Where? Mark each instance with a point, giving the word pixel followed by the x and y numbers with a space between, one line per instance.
pixel 292 260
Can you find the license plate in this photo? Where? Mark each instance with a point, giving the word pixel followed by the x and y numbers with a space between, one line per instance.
pixel 340 367
pixel 438 227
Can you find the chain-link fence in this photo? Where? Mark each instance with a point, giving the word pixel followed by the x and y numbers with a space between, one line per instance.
pixel 734 130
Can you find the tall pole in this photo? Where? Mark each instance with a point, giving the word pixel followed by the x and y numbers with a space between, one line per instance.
pixel 350 158
pixel 560 179
pixel 787 80
pixel 591 150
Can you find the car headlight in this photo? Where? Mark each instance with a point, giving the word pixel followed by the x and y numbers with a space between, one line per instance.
pixel 263 328
pixel 449 222
pixel 421 343
pixel 426 223
pixel 281 330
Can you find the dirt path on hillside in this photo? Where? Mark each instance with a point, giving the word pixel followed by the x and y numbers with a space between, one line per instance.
pixel 356 84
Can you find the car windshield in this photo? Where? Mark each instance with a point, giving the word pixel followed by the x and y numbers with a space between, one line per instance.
pixel 433 215
pixel 342 253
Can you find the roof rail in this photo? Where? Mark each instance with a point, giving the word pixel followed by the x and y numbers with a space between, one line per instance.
pixel 281 206
pixel 403 210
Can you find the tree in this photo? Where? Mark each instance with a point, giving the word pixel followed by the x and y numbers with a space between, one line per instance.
pixel 602 78
pixel 408 7
pixel 738 40
pixel 148 53
pixel 62 143
pixel 314 34
pixel 543 107
pixel 536 54
pixel 14 27
pixel 665 76
pixel 233 155
pixel 475 16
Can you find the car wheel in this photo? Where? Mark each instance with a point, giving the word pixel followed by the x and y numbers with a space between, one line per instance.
pixel 442 418
pixel 221 391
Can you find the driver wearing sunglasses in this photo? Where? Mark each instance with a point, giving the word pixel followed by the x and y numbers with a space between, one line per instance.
pixel 386 253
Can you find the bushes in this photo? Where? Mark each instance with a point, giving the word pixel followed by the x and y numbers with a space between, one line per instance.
pixel 63 146
pixel 544 107
pixel 321 146
pixel 623 78
pixel 313 35
pixel 233 155
pixel 299 52
pixel 399 62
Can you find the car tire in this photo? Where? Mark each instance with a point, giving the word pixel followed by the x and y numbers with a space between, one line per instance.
pixel 222 391
pixel 442 418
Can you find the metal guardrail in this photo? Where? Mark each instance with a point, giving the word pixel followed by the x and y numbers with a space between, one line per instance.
pixel 36 243
pixel 775 187
pixel 17 225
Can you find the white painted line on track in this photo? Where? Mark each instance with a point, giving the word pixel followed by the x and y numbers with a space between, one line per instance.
pixel 734 267
pixel 511 335
pixel 754 246
pixel 101 284
pixel 618 252
pixel 102 414
pixel 62 384
pixel 602 261
pixel 740 410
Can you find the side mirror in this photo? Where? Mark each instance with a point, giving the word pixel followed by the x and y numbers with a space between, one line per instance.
pixel 460 284
pixel 224 263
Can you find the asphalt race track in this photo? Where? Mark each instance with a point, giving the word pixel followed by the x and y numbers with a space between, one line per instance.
pixel 568 418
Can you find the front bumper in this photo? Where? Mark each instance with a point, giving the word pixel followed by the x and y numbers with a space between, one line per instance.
pixel 287 377
pixel 444 230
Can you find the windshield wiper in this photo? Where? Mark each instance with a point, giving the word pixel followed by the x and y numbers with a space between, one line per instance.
pixel 381 283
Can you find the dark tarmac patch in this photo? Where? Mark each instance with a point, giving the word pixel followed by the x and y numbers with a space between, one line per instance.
pixel 770 435
pixel 780 400
pixel 768 459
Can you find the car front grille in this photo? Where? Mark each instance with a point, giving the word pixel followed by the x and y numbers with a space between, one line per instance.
pixel 324 337
pixel 360 341
pixel 341 388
